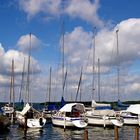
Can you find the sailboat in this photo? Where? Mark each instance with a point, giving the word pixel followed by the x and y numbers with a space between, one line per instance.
pixel 8 109
pixel 70 115
pixel 130 114
pixel 101 114
pixel 30 117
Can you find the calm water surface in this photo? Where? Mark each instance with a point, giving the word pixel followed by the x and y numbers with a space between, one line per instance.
pixel 56 133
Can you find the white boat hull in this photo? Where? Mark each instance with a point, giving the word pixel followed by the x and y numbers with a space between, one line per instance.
pixel 31 122
pixel 131 121
pixel 7 110
pixel 69 122
pixel 98 120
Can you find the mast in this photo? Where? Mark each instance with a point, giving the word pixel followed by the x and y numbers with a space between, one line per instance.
pixel 93 65
pixel 118 66
pixel 10 100
pixel 12 96
pixel 28 73
pixel 99 79
pixel 13 83
pixel 63 59
pixel 50 83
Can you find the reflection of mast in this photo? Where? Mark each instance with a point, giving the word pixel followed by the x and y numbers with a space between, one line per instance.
pixel 93 65
pixel 118 66
pixel 99 79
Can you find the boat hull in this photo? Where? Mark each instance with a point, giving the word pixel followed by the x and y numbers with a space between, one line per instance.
pixel 31 122
pixel 99 121
pixel 69 122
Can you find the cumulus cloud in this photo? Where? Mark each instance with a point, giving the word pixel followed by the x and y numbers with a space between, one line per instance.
pixel 83 9
pixel 33 7
pixel 1 50
pixel 77 42
pixel 18 57
pixel 78 52
pixel 24 42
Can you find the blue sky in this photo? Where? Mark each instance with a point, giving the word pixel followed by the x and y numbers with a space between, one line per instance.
pixel 43 18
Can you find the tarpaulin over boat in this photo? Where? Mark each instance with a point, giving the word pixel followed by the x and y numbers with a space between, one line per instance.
pixel 73 107
pixel 135 109
pixel 100 106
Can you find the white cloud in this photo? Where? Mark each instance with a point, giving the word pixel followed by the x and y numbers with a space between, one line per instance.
pixel 33 7
pixel 6 68
pixel 24 42
pixel 18 57
pixel 83 9
pixel 77 49
pixel 1 50
pixel 77 42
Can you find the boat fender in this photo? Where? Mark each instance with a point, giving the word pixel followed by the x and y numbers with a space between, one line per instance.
pixel 41 121
pixel 86 120
pixel 119 118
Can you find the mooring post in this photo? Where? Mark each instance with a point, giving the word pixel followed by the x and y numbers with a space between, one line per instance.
pixel 86 134
pixel 116 133
pixel 137 133
pixel 25 125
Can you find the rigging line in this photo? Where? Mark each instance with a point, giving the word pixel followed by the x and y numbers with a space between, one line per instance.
pixel 111 62
pixel 79 84
pixel 22 80
pixel 65 80
pixel 93 65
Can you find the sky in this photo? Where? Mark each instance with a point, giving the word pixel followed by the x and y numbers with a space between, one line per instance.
pixel 73 42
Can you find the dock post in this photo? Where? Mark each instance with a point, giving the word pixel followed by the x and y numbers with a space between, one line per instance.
pixel 116 132
pixel 86 134
pixel 137 133
pixel 25 125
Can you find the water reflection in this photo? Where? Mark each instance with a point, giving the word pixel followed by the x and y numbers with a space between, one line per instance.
pixel 56 133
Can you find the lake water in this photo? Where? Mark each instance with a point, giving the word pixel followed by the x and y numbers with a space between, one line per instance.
pixel 55 133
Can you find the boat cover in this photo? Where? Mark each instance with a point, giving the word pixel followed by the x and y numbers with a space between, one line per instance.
pixel 73 106
pixel 135 109
pixel 100 106
pixel 103 112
